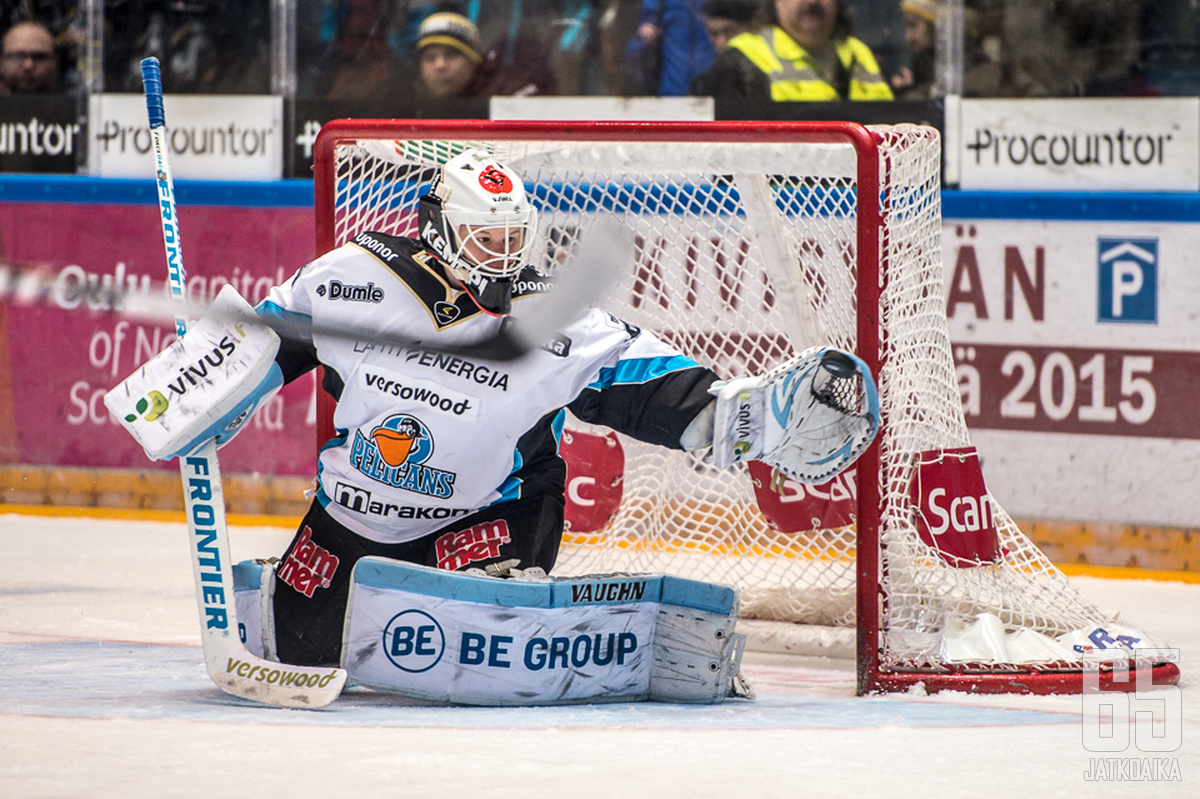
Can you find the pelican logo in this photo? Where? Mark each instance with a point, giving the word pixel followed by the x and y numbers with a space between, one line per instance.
pixel 445 312
pixel 395 453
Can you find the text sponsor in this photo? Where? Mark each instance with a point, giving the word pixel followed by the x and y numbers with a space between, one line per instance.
pixel 555 652
pixel 374 245
pixel 359 500
pixel 1145 393
pixel 203 518
pixel 947 513
pixel 1079 143
pixel 522 287
pixel 37 138
pixel 233 140
pixel 473 545
pixel 599 593
pixel 337 290
pixel 279 674
pixel 308 566
pixel 1118 147
pixel 431 236
pixel 414 642
pixel 478 373
pixel 742 427
pixel 420 392
pixel 152 406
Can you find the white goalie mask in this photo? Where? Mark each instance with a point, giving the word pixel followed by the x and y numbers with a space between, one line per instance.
pixel 479 221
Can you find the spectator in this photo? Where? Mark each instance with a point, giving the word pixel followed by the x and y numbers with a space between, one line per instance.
pixel 357 62
pixel 724 20
pixel 920 32
pixel 880 25
pixel 575 48
pixel 203 46
pixel 449 55
pixel 670 48
pixel 518 45
pixel 807 53
pixel 30 65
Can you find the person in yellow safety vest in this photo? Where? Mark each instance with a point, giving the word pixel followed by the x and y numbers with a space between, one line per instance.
pixel 806 53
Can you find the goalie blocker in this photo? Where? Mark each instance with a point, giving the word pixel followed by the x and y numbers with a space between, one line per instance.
pixel 456 637
pixel 204 386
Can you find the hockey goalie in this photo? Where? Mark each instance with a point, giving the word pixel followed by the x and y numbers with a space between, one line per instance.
pixel 423 563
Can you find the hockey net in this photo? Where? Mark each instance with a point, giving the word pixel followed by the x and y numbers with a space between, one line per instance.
pixel 750 244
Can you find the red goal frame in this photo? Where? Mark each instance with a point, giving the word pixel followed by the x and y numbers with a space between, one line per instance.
pixel 872 272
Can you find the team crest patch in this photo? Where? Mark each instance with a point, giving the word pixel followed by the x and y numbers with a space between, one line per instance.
pixel 395 453
pixel 445 312
pixel 495 181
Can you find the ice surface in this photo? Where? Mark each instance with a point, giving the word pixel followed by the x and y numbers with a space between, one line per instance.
pixel 103 692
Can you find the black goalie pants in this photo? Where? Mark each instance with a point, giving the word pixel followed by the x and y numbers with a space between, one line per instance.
pixel 312 581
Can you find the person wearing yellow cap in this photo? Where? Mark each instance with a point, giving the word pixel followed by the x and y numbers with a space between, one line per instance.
pixel 920 32
pixel 449 53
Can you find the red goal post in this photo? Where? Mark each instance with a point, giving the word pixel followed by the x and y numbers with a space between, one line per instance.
pixel 752 241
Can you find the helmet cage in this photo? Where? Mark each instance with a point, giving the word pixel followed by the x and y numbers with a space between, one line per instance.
pixel 489 245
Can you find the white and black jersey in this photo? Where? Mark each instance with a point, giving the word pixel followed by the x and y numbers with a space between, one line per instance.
pixel 423 437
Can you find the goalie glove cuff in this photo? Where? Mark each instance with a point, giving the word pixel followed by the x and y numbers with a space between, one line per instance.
pixel 739 421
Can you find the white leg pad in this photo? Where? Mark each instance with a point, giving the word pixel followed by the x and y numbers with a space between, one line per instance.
pixel 697 656
pixel 253 589
pixel 473 639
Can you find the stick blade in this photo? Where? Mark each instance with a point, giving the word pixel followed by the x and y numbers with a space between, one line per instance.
pixel 246 676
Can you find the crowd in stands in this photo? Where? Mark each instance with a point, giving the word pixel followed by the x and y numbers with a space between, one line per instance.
pixel 428 50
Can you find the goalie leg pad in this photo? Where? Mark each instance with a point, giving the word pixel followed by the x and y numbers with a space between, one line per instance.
pixel 202 387
pixel 253 585
pixel 697 655
pixel 455 637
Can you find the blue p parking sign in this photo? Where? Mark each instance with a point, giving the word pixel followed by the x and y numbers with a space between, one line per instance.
pixel 1128 281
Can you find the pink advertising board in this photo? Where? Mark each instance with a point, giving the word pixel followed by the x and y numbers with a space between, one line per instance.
pixel 65 353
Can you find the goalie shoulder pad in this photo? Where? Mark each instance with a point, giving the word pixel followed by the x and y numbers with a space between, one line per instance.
pixel 810 417
pixel 204 386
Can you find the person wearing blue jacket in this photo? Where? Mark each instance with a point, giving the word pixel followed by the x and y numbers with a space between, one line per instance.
pixel 670 48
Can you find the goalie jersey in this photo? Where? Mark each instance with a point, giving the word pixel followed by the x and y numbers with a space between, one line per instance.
pixel 424 437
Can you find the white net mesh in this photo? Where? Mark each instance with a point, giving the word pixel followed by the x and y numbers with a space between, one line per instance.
pixel 745 253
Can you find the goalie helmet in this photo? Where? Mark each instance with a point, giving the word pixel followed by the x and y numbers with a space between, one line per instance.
pixel 479 221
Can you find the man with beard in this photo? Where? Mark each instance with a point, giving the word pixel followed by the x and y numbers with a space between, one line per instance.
pixel 806 53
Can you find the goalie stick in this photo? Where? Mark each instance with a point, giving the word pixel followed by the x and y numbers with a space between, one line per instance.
pixel 234 669
pixel 601 254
